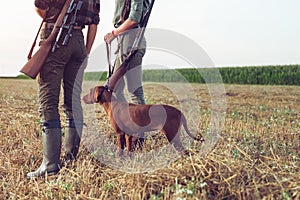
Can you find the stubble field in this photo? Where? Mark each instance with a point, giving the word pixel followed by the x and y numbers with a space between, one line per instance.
pixel 256 157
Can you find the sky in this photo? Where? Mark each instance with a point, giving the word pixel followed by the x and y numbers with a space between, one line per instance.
pixel 231 32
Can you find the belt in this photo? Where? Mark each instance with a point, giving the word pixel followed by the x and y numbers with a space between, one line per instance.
pixel 47 25
pixel 77 27
pixel 119 24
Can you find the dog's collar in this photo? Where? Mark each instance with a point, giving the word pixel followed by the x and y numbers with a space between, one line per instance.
pixel 101 92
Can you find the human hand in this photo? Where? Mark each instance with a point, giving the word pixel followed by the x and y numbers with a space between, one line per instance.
pixel 109 37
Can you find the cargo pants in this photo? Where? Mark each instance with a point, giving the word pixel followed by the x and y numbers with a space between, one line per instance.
pixel 63 67
pixel 133 77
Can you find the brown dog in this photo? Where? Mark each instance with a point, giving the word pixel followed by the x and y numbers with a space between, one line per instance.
pixel 128 120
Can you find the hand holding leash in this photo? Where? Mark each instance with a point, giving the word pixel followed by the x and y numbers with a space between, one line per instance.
pixel 109 37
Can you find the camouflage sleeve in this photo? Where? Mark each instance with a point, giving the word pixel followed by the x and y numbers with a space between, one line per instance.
pixel 96 18
pixel 42 4
pixel 136 10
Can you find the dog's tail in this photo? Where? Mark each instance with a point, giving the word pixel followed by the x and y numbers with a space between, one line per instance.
pixel 184 123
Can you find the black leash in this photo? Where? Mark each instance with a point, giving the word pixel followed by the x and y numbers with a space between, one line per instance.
pixel 108 54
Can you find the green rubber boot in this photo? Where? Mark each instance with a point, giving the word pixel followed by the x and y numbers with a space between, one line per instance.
pixel 51 158
pixel 72 143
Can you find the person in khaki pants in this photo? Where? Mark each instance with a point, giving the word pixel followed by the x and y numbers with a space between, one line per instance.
pixel 64 69
pixel 127 17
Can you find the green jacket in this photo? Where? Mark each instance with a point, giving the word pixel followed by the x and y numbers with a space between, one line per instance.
pixel 137 9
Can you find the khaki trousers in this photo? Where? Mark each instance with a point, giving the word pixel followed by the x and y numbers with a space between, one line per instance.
pixel 133 77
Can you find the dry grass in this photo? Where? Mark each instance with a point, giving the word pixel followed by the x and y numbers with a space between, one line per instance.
pixel 257 156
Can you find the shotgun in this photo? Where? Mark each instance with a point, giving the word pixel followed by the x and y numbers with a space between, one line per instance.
pixel 115 77
pixel 72 24
pixel 35 64
pixel 64 25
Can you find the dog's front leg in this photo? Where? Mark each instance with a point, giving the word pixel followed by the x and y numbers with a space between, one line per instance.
pixel 128 139
pixel 121 143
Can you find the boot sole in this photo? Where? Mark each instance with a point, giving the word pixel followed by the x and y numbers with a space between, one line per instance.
pixel 43 175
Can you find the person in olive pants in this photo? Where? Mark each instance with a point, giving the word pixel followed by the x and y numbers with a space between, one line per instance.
pixel 64 69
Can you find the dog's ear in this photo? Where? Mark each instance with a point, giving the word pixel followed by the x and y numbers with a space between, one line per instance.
pixel 95 94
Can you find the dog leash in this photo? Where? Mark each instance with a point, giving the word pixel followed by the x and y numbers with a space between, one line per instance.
pixel 108 56
pixel 111 68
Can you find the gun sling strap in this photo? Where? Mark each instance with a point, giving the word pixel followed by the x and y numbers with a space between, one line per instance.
pixel 60 16
pixel 34 42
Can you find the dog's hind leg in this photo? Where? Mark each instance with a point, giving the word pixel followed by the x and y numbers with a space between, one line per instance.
pixel 128 139
pixel 174 139
pixel 121 143
pixel 176 142
pixel 136 143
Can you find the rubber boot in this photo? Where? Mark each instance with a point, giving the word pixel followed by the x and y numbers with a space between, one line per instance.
pixel 137 142
pixel 72 143
pixel 51 158
pixel 140 143
pixel 138 98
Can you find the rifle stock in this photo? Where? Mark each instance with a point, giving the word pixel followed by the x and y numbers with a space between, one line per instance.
pixel 116 76
pixel 35 64
pixel 113 80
